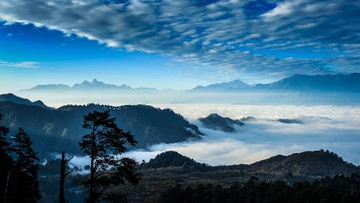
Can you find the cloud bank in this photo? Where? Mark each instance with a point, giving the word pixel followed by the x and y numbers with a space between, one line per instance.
pixel 330 128
pixel 276 37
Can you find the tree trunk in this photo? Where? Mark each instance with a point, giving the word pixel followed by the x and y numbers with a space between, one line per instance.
pixel 92 174
pixel 92 170
pixel 62 179
pixel 7 185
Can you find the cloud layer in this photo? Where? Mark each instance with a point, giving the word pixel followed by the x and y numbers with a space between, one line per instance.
pixel 330 128
pixel 261 37
pixel 325 127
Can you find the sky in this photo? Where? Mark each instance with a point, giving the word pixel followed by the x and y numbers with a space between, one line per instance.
pixel 174 44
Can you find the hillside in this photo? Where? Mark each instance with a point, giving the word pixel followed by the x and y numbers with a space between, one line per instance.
pixel 304 164
pixel 311 163
pixel 56 130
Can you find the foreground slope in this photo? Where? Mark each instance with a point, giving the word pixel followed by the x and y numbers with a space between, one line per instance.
pixel 171 168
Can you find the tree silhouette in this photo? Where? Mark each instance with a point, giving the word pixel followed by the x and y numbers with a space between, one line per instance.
pixel 6 162
pixel 25 184
pixel 102 144
pixel 63 174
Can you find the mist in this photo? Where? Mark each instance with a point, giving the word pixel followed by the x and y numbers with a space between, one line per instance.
pixel 152 96
pixel 333 128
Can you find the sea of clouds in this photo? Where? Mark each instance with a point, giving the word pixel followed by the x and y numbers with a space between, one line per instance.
pixel 333 128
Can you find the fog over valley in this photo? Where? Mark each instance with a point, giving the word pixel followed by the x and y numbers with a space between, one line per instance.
pixel 333 128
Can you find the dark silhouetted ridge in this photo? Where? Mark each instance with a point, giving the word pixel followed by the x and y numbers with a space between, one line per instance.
pixel 56 130
pixel 216 122
pixel 18 100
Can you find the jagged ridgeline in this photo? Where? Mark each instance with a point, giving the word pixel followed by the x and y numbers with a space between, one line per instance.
pixel 56 130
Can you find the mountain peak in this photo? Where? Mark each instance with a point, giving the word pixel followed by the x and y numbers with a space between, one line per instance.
pixel 234 84
pixel 94 84
pixel 95 81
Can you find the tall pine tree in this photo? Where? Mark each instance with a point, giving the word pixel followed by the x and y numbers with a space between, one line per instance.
pixel 25 183
pixel 102 144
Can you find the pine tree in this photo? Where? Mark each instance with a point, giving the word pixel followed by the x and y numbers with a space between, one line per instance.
pixel 25 184
pixel 102 144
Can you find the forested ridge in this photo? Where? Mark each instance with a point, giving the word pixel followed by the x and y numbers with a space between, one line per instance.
pixel 56 130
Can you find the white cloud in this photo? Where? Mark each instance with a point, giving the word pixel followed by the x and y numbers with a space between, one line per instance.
pixel 189 28
pixel 282 9
pixel 23 64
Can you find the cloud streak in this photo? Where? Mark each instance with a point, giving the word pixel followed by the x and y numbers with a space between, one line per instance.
pixel 23 64
pixel 231 36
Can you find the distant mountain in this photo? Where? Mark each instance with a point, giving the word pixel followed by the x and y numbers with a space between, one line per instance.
pixel 18 100
pixel 84 86
pixel 216 122
pixel 95 84
pixel 344 83
pixel 232 85
pixel 302 83
pixel 56 130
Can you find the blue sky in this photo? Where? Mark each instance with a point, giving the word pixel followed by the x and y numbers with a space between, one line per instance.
pixel 174 44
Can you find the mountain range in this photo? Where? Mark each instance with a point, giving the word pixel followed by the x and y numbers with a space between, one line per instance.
pixel 304 83
pixel 84 86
